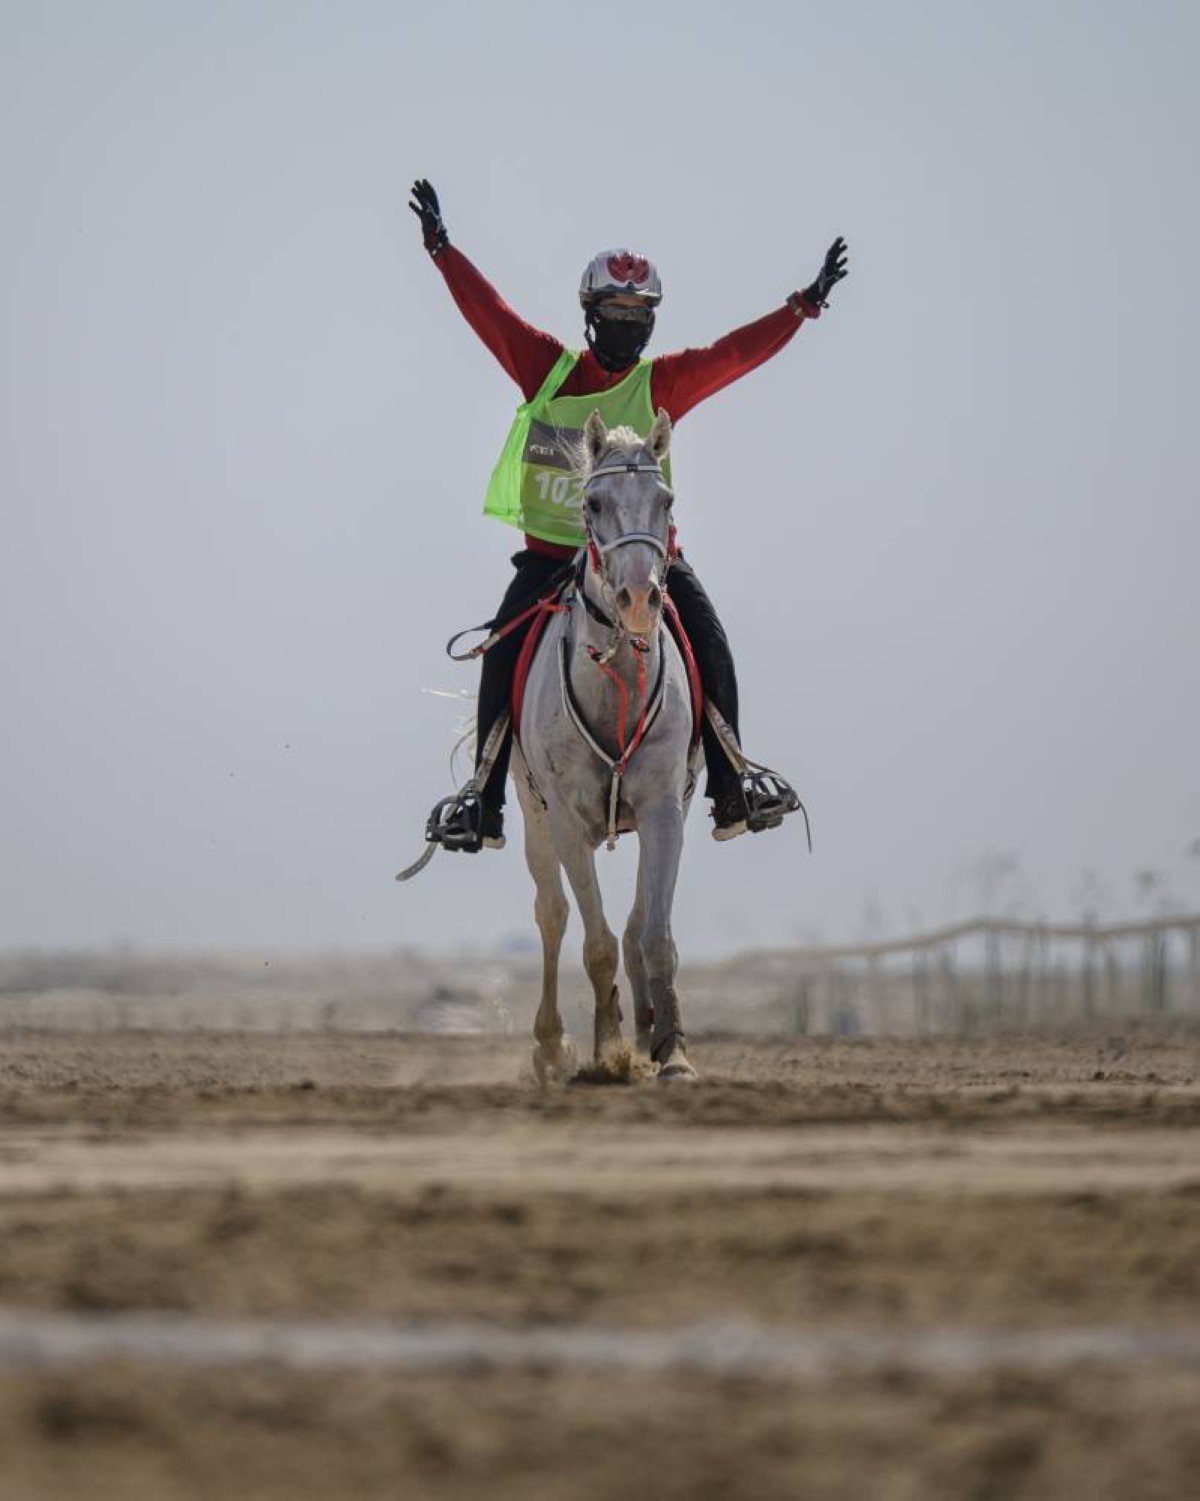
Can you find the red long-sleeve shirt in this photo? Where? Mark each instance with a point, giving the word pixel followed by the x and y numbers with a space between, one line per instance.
pixel 678 382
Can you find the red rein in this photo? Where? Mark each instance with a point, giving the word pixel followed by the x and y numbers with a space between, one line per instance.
pixel 640 650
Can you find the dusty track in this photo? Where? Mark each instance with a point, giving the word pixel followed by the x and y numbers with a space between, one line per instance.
pixel 897 1186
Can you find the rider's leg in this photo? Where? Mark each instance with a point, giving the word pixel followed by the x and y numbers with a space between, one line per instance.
pixel 529 582
pixel 714 658
pixel 740 802
pixel 464 822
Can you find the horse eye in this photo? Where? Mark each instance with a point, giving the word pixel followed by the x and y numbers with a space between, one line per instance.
pixel 594 507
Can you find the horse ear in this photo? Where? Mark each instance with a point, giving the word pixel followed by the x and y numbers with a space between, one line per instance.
pixel 595 436
pixel 659 439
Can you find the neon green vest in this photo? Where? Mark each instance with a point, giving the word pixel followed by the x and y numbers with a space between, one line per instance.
pixel 534 485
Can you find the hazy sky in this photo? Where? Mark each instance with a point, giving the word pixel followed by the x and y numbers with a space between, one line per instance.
pixel 244 435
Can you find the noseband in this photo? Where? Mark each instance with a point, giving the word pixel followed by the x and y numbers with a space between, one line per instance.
pixel 598 551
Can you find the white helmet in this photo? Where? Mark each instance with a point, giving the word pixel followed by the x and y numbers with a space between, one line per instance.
pixel 620 272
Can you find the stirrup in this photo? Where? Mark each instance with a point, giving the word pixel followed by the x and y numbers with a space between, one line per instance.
pixel 768 798
pixel 456 823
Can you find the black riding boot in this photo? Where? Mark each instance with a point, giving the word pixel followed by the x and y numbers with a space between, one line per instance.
pixel 473 822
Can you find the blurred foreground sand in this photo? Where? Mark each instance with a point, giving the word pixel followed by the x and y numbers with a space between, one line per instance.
pixel 805 1185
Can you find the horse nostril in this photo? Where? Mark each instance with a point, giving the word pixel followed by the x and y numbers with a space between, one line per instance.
pixel 624 599
pixel 655 596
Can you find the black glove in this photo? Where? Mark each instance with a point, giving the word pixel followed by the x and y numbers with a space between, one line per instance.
pixel 426 207
pixel 829 275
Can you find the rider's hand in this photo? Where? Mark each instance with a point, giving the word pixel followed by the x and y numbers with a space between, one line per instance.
pixel 426 207
pixel 829 275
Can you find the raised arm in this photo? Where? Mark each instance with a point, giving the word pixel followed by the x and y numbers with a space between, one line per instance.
pixel 525 352
pixel 681 381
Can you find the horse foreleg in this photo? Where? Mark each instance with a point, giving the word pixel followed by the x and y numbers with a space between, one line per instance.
pixel 600 951
pixel 635 968
pixel 660 833
pixel 551 1056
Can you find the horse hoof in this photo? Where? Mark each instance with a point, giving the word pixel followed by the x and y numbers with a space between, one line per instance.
pixel 609 1047
pixel 555 1063
pixel 676 1068
pixel 611 1053
pixel 677 1073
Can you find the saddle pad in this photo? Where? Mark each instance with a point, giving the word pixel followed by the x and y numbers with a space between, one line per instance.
pixel 529 648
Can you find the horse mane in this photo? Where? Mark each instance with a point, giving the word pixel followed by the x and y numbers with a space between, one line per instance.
pixel 622 442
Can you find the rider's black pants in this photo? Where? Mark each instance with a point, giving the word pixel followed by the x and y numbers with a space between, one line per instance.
pixel 704 629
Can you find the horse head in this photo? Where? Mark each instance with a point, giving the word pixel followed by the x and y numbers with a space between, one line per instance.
pixel 627 513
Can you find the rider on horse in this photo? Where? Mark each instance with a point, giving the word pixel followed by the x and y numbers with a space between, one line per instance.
pixel 534 489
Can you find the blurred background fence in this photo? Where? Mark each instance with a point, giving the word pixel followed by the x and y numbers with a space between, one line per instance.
pixel 989 974
pixel 992 973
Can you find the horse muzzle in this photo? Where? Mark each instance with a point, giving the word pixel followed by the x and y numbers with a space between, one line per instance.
pixel 639 607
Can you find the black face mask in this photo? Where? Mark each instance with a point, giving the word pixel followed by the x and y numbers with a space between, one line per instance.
pixel 618 341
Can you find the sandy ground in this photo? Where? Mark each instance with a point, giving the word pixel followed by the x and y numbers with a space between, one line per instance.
pixel 888 1187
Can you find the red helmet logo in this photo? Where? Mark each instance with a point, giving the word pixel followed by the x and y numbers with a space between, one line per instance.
pixel 629 268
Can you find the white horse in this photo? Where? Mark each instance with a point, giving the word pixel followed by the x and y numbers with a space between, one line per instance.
pixel 605 744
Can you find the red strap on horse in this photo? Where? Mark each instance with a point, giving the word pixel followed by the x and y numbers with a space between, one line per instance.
pixel 510 626
pixel 543 611
pixel 640 649
pixel 545 602
pixel 689 661
pixel 624 752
